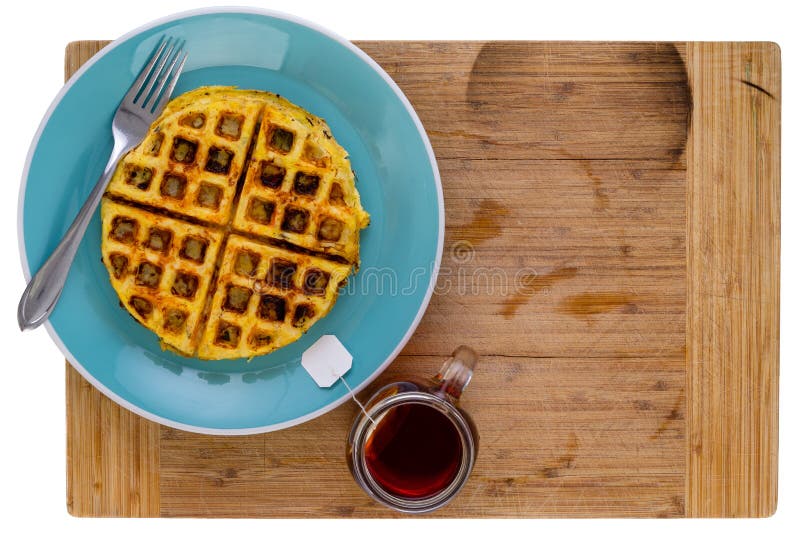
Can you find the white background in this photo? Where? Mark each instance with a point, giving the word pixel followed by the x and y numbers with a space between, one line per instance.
pixel 33 36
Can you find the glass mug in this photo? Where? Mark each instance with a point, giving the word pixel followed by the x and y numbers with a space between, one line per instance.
pixel 414 448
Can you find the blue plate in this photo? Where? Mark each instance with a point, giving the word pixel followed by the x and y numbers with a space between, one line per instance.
pixel 397 178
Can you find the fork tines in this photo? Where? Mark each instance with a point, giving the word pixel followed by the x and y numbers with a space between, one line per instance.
pixel 158 77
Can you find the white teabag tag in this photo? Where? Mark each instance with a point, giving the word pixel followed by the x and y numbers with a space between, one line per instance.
pixel 327 361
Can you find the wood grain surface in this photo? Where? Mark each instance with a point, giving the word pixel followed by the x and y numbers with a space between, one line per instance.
pixel 733 198
pixel 612 251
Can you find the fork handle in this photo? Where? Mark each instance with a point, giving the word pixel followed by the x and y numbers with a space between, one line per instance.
pixel 43 291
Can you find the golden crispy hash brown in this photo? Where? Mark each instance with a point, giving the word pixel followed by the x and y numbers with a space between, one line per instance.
pixel 229 230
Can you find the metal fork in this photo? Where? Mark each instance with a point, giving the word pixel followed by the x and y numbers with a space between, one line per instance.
pixel 141 105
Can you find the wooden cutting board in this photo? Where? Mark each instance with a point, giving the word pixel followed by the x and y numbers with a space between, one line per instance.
pixel 627 198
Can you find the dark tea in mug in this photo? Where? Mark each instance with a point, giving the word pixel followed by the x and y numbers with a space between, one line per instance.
pixel 414 451
pixel 411 447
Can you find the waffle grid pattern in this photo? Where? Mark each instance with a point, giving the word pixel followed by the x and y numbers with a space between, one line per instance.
pixel 203 264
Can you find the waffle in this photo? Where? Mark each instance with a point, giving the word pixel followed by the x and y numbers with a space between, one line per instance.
pixel 229 230
pixel 266 297
pixel 193 155
pixel 299 187
pixel 161 269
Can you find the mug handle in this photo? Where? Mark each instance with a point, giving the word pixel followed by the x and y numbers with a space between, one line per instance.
pixel 456 372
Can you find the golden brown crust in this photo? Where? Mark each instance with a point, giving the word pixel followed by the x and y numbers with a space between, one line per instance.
pixel 153 283
pixel 299 170
pixel 194 169
pixel 261 294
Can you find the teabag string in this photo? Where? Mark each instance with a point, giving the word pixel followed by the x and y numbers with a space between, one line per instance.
pixel 327 361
